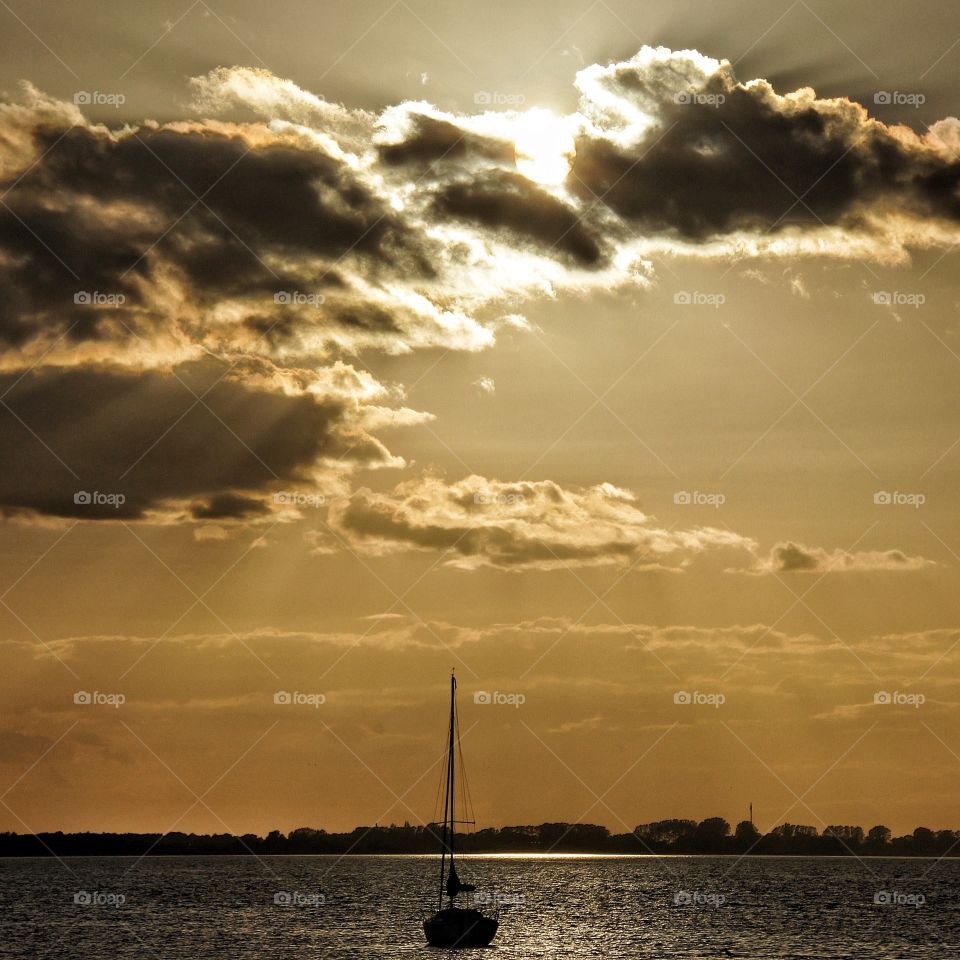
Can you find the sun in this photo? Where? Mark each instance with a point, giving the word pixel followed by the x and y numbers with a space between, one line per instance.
pixel 544 146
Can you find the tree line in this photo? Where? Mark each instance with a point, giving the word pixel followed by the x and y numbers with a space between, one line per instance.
pixel 710 836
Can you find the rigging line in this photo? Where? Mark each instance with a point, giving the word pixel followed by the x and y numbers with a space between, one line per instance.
pixel 470 813
pixel 440 780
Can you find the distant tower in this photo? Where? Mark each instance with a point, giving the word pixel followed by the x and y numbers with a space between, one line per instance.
pixel 751 814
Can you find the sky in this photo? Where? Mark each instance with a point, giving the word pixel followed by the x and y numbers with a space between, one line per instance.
pixel 607 355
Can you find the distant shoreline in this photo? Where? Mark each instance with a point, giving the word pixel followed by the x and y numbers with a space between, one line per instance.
pixel 710 837
pixel 520 855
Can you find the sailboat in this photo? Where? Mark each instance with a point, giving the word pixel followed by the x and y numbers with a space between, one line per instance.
pixel 452 926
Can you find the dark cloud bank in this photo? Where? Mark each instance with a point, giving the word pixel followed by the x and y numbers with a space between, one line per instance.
pixel 285 244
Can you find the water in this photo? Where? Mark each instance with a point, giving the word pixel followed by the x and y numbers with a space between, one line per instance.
pixel 212 908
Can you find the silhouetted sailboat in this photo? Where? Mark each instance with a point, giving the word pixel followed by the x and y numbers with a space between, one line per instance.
pixel 453 926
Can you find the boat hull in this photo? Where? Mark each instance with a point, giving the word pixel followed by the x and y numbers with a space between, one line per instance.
pixel 458 928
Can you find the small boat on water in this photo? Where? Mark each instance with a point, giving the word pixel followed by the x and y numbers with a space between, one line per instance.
pixel 454 927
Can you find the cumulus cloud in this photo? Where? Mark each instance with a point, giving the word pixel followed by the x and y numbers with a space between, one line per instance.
pixel 790 557
pixel 395 229
pixel 675 144
pixel 540 524
pixel 197 440
pixel 535 524
pixel 279 232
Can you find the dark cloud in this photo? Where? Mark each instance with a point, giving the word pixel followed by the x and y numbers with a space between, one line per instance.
pixel 275 196
pixel 176 219
pixel 722 157
pixel 431 139
pixel 147 438
pixel 511 203
pixel 106 214
pixel 124 253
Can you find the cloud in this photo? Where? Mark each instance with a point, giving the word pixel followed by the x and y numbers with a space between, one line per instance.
pixel 299 233
pixel 208 693
pixel 535 524
pixel 675 144
pixel 283 234
pixel 430 139
pixel 392 230
pixel 509 202
pixel 790 557
pixel 541 525
pixel 196 439
pixel 402 221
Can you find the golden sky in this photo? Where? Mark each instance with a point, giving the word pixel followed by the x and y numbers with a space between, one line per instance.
pixel 620 376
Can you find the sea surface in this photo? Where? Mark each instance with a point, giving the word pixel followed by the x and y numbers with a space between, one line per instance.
pixel 228 908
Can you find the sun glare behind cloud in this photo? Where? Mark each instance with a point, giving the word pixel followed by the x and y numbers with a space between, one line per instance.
pixel 544 146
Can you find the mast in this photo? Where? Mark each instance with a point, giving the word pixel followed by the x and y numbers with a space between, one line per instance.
pixel 448 800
